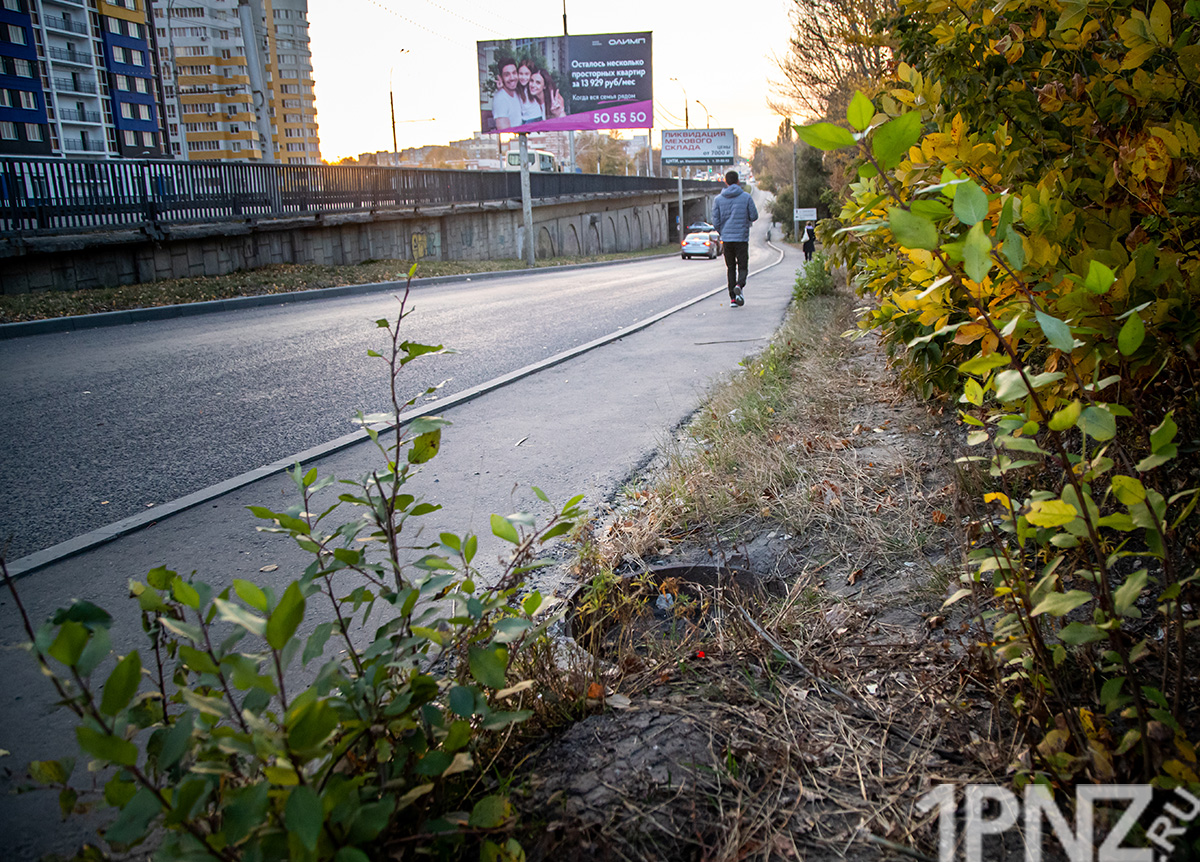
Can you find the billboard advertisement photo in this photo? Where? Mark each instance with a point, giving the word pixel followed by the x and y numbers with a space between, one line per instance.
pixel 698 147
pixel 561 83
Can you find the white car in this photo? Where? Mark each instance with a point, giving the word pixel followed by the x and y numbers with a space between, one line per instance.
pixel 699 245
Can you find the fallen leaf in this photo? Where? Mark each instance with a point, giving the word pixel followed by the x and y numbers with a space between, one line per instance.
pixel 269 568
pixel 595 691
pixel 938 517
pixel 618 701
pixel 854 576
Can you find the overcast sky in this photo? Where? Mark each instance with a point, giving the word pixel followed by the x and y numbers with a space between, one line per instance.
pixel 722 54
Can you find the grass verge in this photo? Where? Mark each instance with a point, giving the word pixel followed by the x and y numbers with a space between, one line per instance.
pixel 279 278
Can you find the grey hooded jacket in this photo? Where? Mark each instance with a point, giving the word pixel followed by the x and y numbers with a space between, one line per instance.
pixel 733 211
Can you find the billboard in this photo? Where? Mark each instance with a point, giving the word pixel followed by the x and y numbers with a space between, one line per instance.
pixel 560 83
pixel 698 147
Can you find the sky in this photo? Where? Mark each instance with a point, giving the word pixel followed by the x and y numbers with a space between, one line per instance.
pixel 722 54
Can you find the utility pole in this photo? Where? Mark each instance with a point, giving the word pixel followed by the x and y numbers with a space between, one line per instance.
pixel 250 17
pixel 526 198
pixel 570 132
pixel 795 203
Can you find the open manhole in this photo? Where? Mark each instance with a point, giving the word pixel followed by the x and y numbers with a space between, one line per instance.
pixel 658 608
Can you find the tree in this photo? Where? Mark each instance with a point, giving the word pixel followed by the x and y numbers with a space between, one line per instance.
pixel 834 48
pixel 446 157
pixel 772 165
pixel 597 153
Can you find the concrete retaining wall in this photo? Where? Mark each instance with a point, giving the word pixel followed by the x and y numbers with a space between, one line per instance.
pixel 489 231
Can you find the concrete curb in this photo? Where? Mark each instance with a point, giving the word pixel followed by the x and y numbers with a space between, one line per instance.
pixel 79 544
pixel 168 312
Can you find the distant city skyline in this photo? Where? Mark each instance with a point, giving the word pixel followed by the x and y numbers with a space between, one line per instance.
pixel 721 53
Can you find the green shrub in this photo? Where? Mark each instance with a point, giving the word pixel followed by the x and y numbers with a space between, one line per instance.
pixel 813 279
pixel 213 747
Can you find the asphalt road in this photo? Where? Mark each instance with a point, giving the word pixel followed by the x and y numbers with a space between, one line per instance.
pixel 101 424
pixel 584 426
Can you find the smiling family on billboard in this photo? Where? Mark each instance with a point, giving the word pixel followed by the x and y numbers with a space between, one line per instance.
pixel 561 83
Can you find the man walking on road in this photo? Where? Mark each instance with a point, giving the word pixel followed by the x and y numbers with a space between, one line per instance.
pixel 733 213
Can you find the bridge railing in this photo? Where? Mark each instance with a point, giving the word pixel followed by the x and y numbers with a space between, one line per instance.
pixel 46 196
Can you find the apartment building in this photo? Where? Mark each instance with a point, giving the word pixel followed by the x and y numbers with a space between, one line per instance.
pixel 158 79
pixel 78 78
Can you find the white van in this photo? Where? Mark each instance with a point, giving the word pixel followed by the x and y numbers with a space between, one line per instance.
pixel 540 161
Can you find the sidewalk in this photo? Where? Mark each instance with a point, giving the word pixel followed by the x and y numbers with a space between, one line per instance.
pixel 583 426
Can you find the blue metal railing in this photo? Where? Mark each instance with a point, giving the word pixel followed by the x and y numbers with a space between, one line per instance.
pixel 45 196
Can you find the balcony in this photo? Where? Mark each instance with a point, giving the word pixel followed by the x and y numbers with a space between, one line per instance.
pixel 78 145
pixel 64 25
pixel 83 58
pixel 79 116
pixel 70 86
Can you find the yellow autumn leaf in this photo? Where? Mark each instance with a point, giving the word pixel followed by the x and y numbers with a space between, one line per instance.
pixel 1160 23
pixel 998 497
pixel 1051 513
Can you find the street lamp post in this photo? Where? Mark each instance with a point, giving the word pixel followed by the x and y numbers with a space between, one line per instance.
pixel 392 103
pixel 707 115
pixel 686 123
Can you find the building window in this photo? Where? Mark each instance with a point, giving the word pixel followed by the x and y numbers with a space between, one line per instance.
pixel 13 5
pixel 147 139
pixel 8 131
pixel 135 29
pixel 28 100
pixel 22 68
pixel 144 112
pixel 122 82
pixel 5 99
pixel 118 54
pixel 16 34
pixel 127 110
pixel 130 138
pixel 139 84
pixel 236 146
pixel 114 25
pixel 136 58
pixel 33 132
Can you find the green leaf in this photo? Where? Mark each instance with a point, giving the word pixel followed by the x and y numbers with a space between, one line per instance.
pixel 1014 248
pixel 1056 332
pixel 1080 633
pixel 977 253
pixel 489 665
pixel 176 742
pixel 85 613
pixel 1128 490
pixel 1051 513
pixel 286 617
pixel 503 528
pixel 238 615
pixel 911 230
pixel 1065 418
pixel 372 818
pixel 1127 594
pixel 1099 278
pixel 135 818
pixel 983 364
pixel 185 594
pixel 425 447
pixel 51 772
pixel 310 725
pixel 890 142
pixel 462 700
pixel 1010 385
pixel 1061 604
pixel 68 645
pixel 1162 456
pixel 1163 434
pixel 860 112
pixel 489 812
pixel 970 203
pixel 251 594
pixel 304 816
pixel 122 684
pixel 1098 423
pixel 315 645
pixel 825 136
pixel 1132 334
pixel 104 746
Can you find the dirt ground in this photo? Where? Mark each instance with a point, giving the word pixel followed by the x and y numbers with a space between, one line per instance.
pixel 803 721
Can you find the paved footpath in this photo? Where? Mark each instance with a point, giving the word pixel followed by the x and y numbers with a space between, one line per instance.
pixel 586 425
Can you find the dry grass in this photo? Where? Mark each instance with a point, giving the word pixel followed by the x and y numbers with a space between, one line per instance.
pixel 804 726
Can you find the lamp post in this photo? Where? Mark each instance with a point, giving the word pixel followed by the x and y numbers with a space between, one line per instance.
pixel 686 123
pixel 707 115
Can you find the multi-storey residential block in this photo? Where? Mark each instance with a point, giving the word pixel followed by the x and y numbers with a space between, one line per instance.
pixel 157 78
pixel 78 78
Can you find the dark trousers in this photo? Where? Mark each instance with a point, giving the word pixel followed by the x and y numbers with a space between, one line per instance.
pixel 737 261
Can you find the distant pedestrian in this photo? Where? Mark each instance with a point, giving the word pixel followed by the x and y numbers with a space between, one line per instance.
pixel 733 213
pixel 810 241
